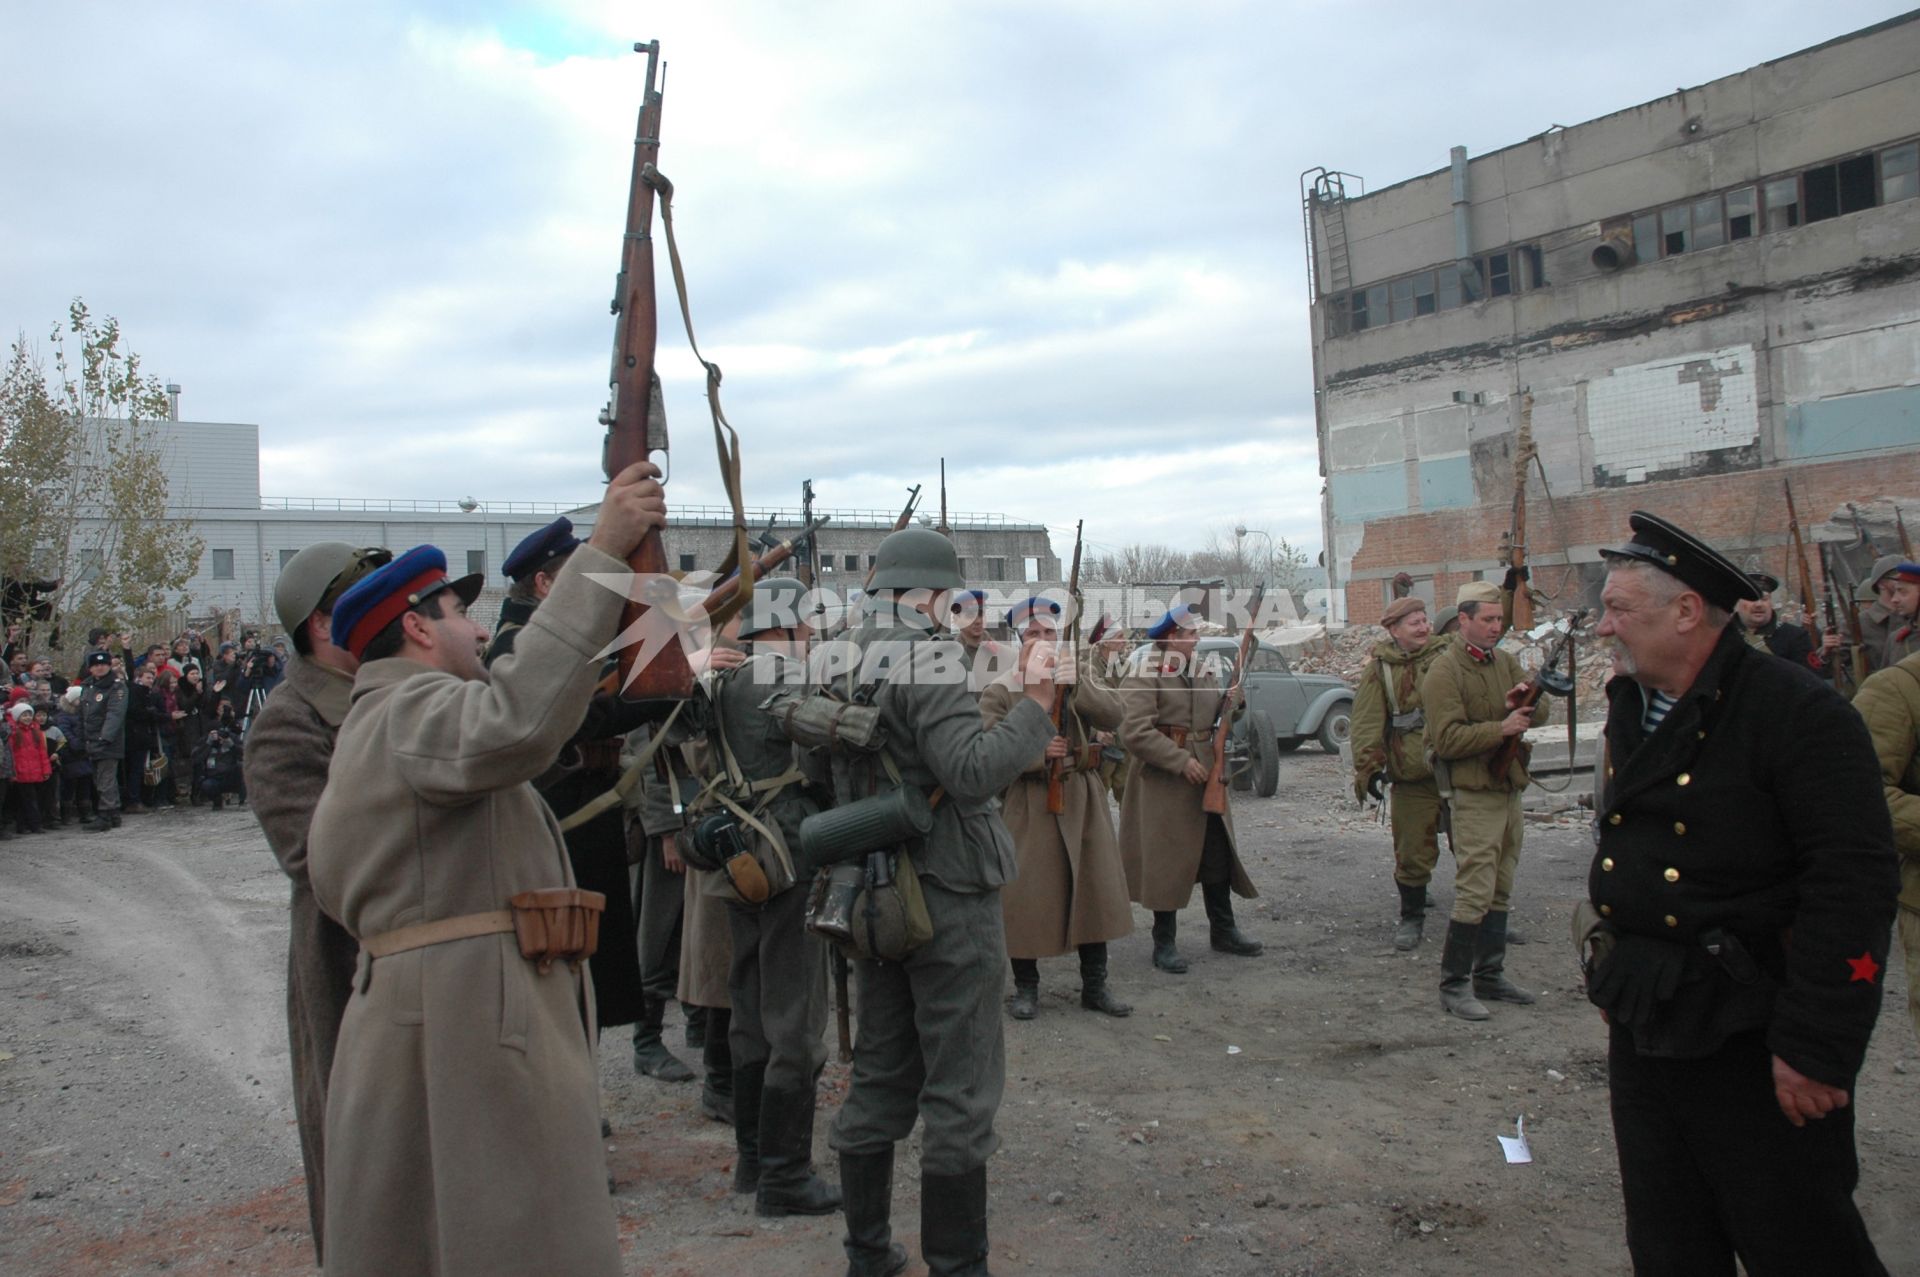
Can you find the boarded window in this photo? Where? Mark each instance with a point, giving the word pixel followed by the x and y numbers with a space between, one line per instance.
pixel 1646 238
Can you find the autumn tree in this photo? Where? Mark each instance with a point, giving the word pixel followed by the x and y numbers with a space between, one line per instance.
pixel 83 483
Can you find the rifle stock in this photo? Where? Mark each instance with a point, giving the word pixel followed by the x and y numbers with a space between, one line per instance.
pixel 635 415
pixel 1536 688
pixel 722 593
pixel 1522 618
pixel 1213 800
pixel 1057 767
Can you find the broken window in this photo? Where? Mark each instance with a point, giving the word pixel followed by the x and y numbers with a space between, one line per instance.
pixel 1858 189
pixel 1707 229
pixel 1402 293
pixel 1783 204
pixel 1673 230
pixel 1499 274
pixel 1646 237
pixel 1822 187
pixel 1900 173
pixel 1534 264
pixel 1740 207
pixel 1423 302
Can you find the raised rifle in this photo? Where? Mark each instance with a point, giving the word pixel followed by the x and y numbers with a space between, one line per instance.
pixel 1906 542
pixel 1057 767
pixel 635 415
pixel 1549 679
pixel 1214 798
pixel 1859 664
pixel 782 550
pixel 807 566
pixel 906 517
pixel 1522 618
pixel 1806 578
pixel 1860 529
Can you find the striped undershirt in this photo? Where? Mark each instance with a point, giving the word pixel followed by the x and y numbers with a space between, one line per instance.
pixel 1658 703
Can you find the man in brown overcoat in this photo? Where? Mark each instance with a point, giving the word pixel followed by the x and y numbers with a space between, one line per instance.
pixel 1070 892
pixel 463 1111
pixel 288 749
pixel 1167 840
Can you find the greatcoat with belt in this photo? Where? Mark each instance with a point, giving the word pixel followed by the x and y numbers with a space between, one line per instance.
pixel 1070 888
pixel 1162 827
pixel 463 1116
pixel 288 749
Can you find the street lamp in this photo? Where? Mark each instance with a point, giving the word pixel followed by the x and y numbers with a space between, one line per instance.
pixel 1241 532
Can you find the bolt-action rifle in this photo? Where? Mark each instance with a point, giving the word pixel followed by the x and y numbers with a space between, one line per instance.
pixel 1522 618
pixel 1057 767
pixel 1214 799
pixel 1806 580
pixel 1549 679
pixel 635 415
pixel 782 550
pixel 906 517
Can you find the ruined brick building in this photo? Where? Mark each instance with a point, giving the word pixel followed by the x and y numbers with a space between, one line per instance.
pixel 1683 304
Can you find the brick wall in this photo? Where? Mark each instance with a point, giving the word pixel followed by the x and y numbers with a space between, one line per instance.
pixel 1739 514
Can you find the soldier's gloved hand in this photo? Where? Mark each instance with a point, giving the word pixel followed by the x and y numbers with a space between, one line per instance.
pixel 1377 787
pixel 1511 583
pixel 1639 975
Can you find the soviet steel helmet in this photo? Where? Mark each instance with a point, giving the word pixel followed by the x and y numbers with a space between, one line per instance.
pixel 916 559
pixel 314 579
pixel 775 606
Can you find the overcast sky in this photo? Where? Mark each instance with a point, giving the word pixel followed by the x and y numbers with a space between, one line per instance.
pixel 1057 243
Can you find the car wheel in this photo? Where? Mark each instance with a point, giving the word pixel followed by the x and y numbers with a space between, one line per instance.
pixel 1264 754
pixel 1336 727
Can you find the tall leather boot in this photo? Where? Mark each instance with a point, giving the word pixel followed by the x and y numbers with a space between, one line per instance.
pixel 788 1184
pixel 1456 972
pixel 1094 994
pixel 748 1079
pixel 1413 917
pixel 1490 964
pixel 650 1055
pixel 953 1223
pixel 1222 930
pixel 716 1058
pixel 1166 929
pixel 1025 1002
pixel 696 1027
pixel 866 1187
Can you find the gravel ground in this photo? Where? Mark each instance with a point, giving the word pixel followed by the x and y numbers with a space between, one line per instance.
pixel 145 1124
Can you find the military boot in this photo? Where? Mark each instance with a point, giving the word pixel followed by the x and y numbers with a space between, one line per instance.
pixel 953 1223
pixel 1413 917
pixel 650 1055
pixel 1166 928
pixel 1025 1002
pixel 1490 964
pixel 1456 972
pixel 866 1186
pixel 102 822
pixel 696 1026
pixel 1222 930
pixel 1094 994
pixel 748 1079
pixel 788 1184
pixel 716 1059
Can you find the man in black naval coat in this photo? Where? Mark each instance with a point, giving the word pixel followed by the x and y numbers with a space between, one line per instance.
pixel 588 767
pixel 1764 629
pixel 1744 887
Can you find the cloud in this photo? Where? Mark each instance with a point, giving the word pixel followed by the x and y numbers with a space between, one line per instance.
pixel 1057 243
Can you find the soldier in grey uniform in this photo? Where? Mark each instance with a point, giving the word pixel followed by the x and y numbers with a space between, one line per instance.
pixel 930 1044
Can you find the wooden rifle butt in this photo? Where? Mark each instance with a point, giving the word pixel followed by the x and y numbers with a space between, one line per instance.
pixel 667 676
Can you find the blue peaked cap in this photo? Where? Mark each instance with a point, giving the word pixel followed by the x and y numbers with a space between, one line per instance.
pixel 376 600
pixel 1025 608
pixel 537 547
pixel 1176 617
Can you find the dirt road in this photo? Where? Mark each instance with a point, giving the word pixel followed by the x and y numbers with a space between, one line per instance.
pixel 145 1124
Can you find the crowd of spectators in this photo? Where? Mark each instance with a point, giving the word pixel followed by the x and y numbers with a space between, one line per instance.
pixel 129 731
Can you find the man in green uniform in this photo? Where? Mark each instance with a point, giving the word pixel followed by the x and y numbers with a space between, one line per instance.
pixel 1889 701
pixel 1390 747
pixel 930 1040
pixel 1472 694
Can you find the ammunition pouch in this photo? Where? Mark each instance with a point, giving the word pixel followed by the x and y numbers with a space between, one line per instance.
pixel 815 720
pixel 1411 721
pixel 558 924
pixel 868 824
pixel 721 845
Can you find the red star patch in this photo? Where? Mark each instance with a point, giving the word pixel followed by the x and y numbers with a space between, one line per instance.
pixel 1864 968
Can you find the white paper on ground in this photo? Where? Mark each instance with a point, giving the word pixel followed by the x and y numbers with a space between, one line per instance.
pixel 1515 1145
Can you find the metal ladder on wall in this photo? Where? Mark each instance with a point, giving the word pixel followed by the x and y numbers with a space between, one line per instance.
pixel 1324 192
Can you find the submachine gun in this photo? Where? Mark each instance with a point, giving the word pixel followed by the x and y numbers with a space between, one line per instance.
pixel 1548 680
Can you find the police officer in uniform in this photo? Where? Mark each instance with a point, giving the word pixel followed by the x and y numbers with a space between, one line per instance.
pixel 1744 886
pixel 1472 694
pixel 929 1045
pixel 587 767
pixel 1390 747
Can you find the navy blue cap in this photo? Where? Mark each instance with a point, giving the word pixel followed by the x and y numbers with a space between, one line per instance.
pixel 1025 608
pixel 1176 617
pixel 961 596
pixel 537 547
pixel 377 599
pixel 1681 554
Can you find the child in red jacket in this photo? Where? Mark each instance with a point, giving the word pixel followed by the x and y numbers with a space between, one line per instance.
pixel 32 768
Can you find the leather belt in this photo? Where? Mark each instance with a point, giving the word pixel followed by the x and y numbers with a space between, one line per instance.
pixel 1183 736
pixel 439 931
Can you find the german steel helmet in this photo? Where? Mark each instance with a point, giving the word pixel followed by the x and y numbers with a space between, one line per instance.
pixel 916 559
pixel 775 606
pixel 314 579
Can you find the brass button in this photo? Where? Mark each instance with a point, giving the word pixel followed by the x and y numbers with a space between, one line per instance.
pixel 1614 819
pixel 1671 875
pixel 1684 778
pixel 1672 921
pixel 1700 735
pixel 1609 769
pixel 1606 866
pixel 1606 911
pixel 1679 826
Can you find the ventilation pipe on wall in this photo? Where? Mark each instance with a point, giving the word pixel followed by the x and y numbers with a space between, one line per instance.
pixel 173 401
pixel 1463 228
